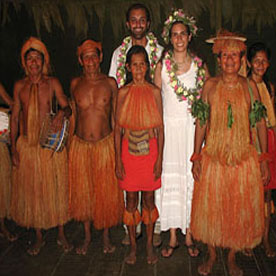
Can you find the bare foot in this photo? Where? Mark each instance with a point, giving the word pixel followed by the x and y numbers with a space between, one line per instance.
pixel 66 246
pixel 206 267
pixel 9 236
pixel 108 249
pixel 269 252
pixel 247 252
pixel 234 270
pixel 151 256
pixel 35 249
pixel 131 258
pixel 82 250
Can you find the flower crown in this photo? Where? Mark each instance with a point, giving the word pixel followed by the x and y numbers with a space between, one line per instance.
pixel 178 15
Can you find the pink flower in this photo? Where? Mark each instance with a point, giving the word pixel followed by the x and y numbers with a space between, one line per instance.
pixel 183 98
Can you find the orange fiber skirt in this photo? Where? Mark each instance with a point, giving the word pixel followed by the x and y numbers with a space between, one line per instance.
pixel 228 204
pixel 5 180
pixel 39 187
pixel 139 169
pixel 272 165
pixel 94 191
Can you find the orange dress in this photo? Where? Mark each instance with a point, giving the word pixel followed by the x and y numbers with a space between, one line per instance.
pixel 228 205
pixel 140 112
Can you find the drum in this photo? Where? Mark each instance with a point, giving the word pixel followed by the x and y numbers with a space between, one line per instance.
pixel 4 125
pixel 54 140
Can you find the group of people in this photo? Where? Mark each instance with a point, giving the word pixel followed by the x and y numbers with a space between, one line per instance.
pixel 199 148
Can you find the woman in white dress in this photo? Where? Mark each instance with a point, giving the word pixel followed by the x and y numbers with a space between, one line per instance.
pixel 180 75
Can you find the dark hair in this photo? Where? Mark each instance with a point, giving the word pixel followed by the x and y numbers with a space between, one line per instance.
pixel 137 49
pixel 251 53
pixel 169 46
pixel 34 50
pixel 138 6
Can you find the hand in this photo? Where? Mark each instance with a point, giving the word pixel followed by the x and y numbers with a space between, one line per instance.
pixel 196 170
pixel 157 170
pixel 57 121
pixel 265 173
pixel 15 158
pixel 120 170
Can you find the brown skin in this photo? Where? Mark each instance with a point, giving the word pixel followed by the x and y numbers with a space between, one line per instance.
pixel 259 66
pixel 230 64
pixel 138 69
pixel 48 88
pixel 94 97
pixel 180 41
pixel 4 231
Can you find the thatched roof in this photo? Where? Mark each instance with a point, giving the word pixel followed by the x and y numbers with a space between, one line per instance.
pixel 79 13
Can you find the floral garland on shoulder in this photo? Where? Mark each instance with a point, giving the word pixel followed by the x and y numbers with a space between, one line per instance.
pixel 153 58
pixel 182 92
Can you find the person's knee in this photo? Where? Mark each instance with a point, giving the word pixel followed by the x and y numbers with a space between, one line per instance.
pixel 148 200
pixel 132 202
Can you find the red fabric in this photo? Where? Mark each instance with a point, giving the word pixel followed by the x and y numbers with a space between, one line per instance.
pixel 139 169
pixel 272 165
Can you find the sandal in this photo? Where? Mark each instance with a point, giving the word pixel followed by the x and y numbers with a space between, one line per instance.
pixel 35 250
pixel 168 249
pixel 193 250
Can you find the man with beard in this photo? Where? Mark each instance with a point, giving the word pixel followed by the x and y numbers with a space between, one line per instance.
pixel 138 23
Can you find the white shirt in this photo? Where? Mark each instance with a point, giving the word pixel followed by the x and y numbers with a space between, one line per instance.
pixel 114 61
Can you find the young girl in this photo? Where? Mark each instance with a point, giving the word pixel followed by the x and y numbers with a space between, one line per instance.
pixel 258 60
pixel 139 147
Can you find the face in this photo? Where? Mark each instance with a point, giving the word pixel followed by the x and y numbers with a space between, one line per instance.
pixel 259 64
pixel 138 24
pixel 180 38
pixel 34 63
pixel 138 67
pixel 230 61
pixel 91 61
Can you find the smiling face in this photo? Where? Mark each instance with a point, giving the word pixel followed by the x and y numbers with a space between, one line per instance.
pixel 180 37
pixel 138 67
pixel 138 24
pixel 34 63
pixel 90 60
pixel 230 61
pixel 259 64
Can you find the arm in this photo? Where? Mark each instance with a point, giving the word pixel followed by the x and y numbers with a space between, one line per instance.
pixel 118 132
pixel 5 96
pixel 200 132
pixel 113 64
pixel 157 75
pixel 61 98
pixel 160 137
pixel 114 89
pixel 262 136
pixel 14 122
pixel 207 73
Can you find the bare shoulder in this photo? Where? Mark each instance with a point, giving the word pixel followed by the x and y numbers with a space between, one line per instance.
pixel 211 83
pixel 112 82
pixel 74 83
pixel 19 85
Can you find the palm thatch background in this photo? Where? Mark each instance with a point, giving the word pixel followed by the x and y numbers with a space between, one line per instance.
pixel 63 24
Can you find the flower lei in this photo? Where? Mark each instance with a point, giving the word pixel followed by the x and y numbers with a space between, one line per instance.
pixel 182 92
pixel 121 70
pixel 178 15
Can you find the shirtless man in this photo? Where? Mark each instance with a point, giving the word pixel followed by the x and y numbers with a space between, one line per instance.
pixel 95 195
pixel 40 187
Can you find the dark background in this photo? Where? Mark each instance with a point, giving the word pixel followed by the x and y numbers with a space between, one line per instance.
pixel 62 45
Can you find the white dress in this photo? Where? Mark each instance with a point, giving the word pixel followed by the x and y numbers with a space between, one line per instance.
pixel 177 179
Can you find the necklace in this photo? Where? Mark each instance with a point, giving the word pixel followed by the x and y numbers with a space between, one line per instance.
pixel 121 71
pixel 182 92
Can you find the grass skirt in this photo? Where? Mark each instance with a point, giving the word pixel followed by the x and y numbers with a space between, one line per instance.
pixel 228 203
pixel 5 180
pixel 40 187
pixel 94 191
